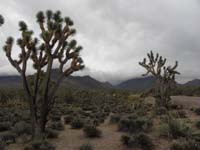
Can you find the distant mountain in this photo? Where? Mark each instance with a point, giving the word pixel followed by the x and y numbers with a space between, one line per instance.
pixel 195 82
pixel 10 81
pixel 87 82
pixel 137 83
pixel 81 82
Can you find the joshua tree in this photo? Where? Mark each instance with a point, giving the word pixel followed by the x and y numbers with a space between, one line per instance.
pixel 55 44
pixel 165 77
pixel 1 20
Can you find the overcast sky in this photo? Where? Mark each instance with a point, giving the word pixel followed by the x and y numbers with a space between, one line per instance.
pixel 117 34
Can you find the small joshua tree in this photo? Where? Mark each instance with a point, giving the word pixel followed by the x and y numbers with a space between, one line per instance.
pixel 165 77
pixel 55 44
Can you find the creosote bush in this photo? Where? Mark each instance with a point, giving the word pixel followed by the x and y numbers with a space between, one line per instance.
pixel 187 145
pixel 56 125
pixel 2 145
pixel 198 124
pixel 174 128
pixel 22 128
pixel 40 145
pixel 91 131
pixel 86 146
pixel 77 123
pixel 142 140
pixel 50 133
pixel 197 111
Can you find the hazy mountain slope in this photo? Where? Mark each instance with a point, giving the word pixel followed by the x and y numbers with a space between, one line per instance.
pixel 137 83
pixel 195 82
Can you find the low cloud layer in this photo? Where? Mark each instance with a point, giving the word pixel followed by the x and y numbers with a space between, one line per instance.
pixel 117 34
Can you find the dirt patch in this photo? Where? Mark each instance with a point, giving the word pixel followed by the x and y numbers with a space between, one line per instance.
pixel 72 139
pixel 187 101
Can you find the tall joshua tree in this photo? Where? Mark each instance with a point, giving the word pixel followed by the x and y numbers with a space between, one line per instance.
pixel 165 77
pixel 55 44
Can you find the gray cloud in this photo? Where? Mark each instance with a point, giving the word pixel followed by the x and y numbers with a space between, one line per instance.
pixel 117 34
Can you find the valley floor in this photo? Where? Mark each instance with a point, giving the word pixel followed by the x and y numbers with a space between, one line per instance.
pixel 70 139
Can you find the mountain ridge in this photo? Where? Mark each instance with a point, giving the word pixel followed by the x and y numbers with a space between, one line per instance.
pixel 88 82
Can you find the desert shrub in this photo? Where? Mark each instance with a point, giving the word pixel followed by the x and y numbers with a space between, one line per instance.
pixel 68 119
pixel 187 145
pixel 192 145
pixel 22 128
pixel 56 125
pixel 40 145
pixel 91 131
pixel 126 139
pixel 196 136
pixel 50 133
pixel 115 118
pixel 77 123
pixel 5 126
pixel 140 140
pixel 2 145
pixel 144 141
pixel 55 118
pixel 197 111
pixel 181 114
pixel 86 146
pixel 134 125
pixel 177 146
pixel 174 128
pixel 7 137
pixel 198 124
pixel 161 110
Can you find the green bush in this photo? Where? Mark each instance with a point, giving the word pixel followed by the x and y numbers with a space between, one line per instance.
pixel 40 145
pixel 77 123
pixel 86 146
pixel 144 141
pixel 91 131
pixel 177 146
pixel 126 140
pixel 161 110
pixel 134 125
pixel 198 124
pixel 174 129
pixel 2 145
pixel 56 118
pixel 50 133
pixel 22 128
pixel 57 125
pixel 5 126
pixel 7 137
pixel 181 114
pixel 68 119
pixel 140 140
pixel 188 145
pixel 196 136
pixel 115 118
pixel 197 111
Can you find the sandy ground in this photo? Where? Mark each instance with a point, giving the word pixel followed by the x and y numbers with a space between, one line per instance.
pixel 187 101
pixel 70 139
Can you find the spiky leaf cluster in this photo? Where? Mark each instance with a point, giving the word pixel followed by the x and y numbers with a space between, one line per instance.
pixel 54 43
pixel 155 65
